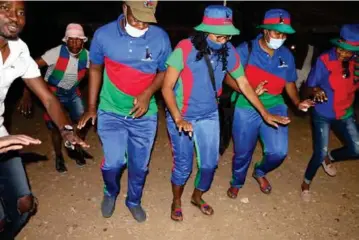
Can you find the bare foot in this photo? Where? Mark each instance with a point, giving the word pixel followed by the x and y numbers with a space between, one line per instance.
pixel 305 194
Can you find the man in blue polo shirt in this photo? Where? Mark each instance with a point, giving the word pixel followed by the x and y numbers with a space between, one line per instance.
pixel 132 53
pixel 270 67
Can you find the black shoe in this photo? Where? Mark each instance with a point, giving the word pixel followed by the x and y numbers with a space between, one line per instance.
pixel 108 206
pixel 138 213
pixel 80 162
pixel 60 164
pixel 78 156
pixel 86 154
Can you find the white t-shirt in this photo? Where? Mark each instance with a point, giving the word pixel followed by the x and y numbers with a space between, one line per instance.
pixel 18 64
pixel 70 76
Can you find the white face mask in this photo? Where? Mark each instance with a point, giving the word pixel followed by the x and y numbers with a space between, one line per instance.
pixel 275 43
pixel 134 32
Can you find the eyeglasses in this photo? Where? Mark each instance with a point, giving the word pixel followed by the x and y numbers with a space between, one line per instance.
pixel 345 69
pixel 223 37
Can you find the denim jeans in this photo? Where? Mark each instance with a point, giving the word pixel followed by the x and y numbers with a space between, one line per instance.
pixel 205 141
pixel 248 125
pixel 347 128
pixel 72 102
pixel 13 185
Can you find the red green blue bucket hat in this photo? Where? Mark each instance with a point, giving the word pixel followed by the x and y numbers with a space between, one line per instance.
pixel 349 38
pixel 278 20
pixel 218 19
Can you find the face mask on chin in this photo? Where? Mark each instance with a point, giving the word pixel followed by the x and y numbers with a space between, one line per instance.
pixel 275 43
pixel 134 32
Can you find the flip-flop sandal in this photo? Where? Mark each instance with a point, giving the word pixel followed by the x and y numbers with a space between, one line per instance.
pixel 267 188
pixel 204 207
pixel 176 213
pixel 232 192
pixel 329 169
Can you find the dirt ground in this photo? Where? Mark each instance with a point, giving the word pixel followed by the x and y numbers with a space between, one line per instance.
pixel 70 203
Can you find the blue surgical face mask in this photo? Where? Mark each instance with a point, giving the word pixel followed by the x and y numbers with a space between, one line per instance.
pixel 214 45
pixel 275 43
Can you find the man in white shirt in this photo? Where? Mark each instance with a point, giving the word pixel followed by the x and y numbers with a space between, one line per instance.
pixel 66 65
pixel 15 61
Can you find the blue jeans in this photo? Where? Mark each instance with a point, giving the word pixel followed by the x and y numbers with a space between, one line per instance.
pixel 126 141
pixel 347 128
pixel 247 126
pixel 72 102
pixel 206 142
pixel 13 186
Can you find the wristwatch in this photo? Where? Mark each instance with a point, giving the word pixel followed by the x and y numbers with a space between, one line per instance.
pixel 67 128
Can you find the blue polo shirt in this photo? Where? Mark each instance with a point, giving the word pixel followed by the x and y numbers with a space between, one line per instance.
pixel 327 73
pixel 130 64
pixel 278 70
pixel 194 92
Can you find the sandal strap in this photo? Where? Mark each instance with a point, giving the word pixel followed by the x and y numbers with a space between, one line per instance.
pixel 204 205
pixel 234 190
pixel 177 211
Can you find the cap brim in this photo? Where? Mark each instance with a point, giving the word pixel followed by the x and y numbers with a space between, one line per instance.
pixel 283 28
pixel 83 38
pixel 223 30
pixel 144 16
pixel 344 45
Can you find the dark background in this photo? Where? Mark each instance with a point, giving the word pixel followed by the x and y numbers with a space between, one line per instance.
pixel 47 21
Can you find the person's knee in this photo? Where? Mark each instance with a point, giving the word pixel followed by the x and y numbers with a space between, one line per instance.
pixel 117 161
pixel 181 174
pixel 137 172
pixel 27 204
pixel 209 165
pixel 242 156
pixel 320 154
pixel 278 155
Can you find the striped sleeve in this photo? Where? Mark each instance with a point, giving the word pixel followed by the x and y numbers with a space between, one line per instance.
pixel 176 59
pixel 235 68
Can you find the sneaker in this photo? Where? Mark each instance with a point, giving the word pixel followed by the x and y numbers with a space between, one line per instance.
pixel 138 213
pixel 108 206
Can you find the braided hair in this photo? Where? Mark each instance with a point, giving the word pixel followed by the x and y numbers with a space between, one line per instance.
pixel 199 41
